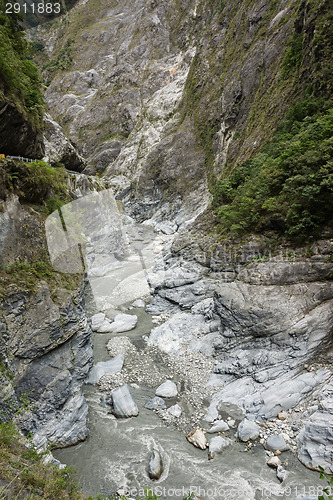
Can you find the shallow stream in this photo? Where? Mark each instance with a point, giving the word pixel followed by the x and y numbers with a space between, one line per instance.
pixel 117 451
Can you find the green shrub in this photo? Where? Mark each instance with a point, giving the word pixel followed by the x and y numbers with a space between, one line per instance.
pixel 36 182
pixel 329 488
pixel 8 433
pixel 293 56
pixel 63 60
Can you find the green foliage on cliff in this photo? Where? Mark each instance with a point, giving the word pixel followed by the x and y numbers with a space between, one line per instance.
pixel 288 186
pixel 23 473
pixel 19 77
pixel 44 189
pixel 36 183
pixel 25 276
pixel 63 59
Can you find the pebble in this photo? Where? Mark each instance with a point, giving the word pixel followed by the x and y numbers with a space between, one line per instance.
pixel 274 462
pixel 167 390
pixel 282 415
pixel 218 426
pixel 175 410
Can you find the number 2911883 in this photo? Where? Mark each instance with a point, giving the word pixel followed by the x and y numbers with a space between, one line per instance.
pixel 35 8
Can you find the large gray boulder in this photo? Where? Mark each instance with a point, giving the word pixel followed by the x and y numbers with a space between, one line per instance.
pixel 275 443
pixel 247 430
pixel 123 323
pixel 216 445
pixel 123 405
pixel 105 326
pixel 97 321
pixel 315 441
pixel 178 331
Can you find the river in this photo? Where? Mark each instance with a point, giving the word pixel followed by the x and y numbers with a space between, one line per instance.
pixel 117 452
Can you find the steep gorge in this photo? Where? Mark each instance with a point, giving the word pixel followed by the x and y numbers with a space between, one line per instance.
pixel 146 82
pixel 165 99
pixel 46 349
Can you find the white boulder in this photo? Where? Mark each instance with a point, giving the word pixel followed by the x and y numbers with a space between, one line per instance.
pixel 167 390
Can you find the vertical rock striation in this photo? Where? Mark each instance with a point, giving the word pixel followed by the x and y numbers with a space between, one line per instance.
pixel 45 339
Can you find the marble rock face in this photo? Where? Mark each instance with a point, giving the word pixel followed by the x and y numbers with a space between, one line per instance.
pixel 315 441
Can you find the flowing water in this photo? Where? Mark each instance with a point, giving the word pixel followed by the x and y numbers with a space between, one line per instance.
pixel 117 451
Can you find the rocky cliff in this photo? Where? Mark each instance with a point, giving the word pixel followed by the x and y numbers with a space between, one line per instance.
pixel 45 338
pixel 265 316
pixel 166 96
pixel 17 135
pixel 21 101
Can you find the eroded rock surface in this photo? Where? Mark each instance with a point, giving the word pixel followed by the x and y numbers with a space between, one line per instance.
pixel 315 440
pixel 58 148
pixel 48 347
pixel 260 315
pixel 45 338
pixel 123 405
